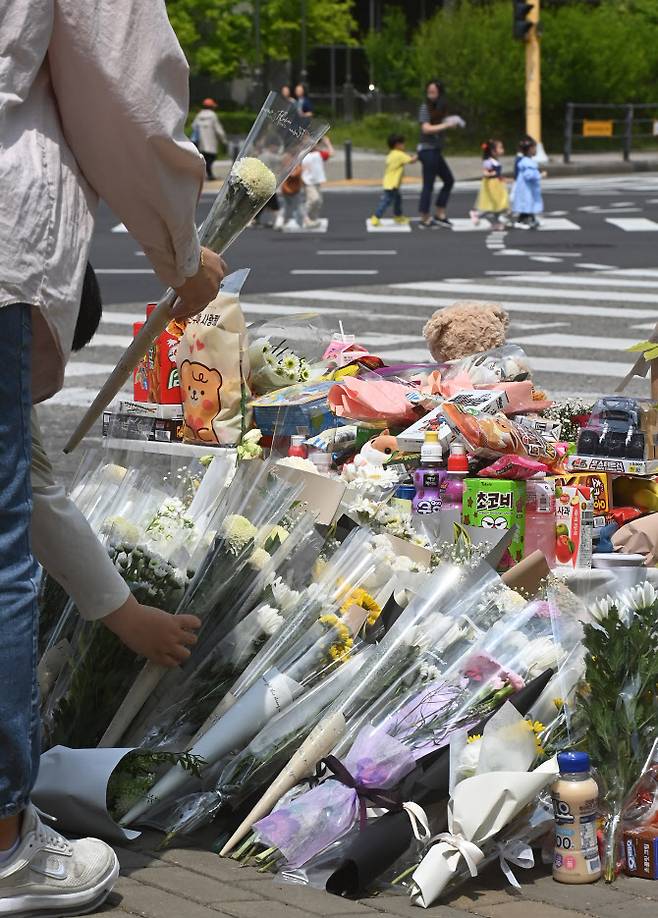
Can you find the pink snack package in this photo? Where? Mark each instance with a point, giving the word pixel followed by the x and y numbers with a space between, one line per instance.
pixel 516 468
pixel 372 400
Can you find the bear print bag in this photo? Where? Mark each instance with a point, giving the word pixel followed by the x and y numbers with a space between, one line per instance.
pixel 213 366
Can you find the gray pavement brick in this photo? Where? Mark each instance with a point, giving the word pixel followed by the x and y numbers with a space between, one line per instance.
pixel 589 898
pixel 150 902
pixel 196 887
pixel 635 908
pixel 268 910
pixel 401 906
pixel 522 908
pixel 308 898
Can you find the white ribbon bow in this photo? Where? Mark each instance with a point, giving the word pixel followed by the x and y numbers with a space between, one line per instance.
pixel 469 850
pixel 514 852
pixel 419 821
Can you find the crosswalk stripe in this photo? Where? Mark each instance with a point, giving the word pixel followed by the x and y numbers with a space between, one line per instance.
pixel 562 294
pixel 634 224
pixel 80 396
pixel 566 280
pixel 100 339
pixel 532 306
pixel 80 368
pixel 578 367
pixel 586 342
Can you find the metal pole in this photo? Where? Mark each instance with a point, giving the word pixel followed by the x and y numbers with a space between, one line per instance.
pixel 533 81
pixel 568 133
pixel 332 78
pixel 303 72
pixel 348 88
pixel 348 159
pixel 628 132
pixel 371 29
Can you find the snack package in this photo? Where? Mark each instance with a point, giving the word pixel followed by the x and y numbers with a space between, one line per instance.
pixel 599 484
pixel 155 378
pixel 641 852
pixel 491 436
pixel 508 363
pixel 489 503
pixel 574 517
pixel 213 366
pixel 518 468
pixel 469 401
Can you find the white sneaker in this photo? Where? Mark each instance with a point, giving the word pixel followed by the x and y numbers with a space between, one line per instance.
pixel 278 222
pixel 292 225
pixel 49 875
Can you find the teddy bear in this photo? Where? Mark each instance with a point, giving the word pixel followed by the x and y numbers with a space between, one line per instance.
pixel 200 388
pixel 465 328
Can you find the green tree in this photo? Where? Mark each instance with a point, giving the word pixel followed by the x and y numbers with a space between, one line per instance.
pixel 219 40
pixel 390 54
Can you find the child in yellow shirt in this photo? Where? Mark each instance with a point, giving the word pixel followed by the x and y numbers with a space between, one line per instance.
pixel 396 160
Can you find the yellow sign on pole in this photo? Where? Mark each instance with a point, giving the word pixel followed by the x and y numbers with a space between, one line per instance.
pixel 598 128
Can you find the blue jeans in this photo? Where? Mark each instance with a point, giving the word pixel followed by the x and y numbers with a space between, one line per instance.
pixel 390 196
pixel 434 166
pixel 19 698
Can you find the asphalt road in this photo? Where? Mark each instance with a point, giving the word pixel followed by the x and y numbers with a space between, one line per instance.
pixel 578 292
pixel 578 234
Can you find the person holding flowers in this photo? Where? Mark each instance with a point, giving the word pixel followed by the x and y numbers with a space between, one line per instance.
pixel 77 124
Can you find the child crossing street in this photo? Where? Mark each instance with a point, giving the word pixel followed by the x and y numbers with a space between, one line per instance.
pixel 396 160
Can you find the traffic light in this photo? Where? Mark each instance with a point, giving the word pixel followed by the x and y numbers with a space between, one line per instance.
pixel 522 22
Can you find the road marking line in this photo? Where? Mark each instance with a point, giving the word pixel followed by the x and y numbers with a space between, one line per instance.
pixel 634 224
pixel 549 224
pixel 594 266
pixel 579 367
pixel 356 252
pixel 502 290
pixel 124 271
pixel 100 339
pixel 119 228
pixel 87 369
pixel 575 341
pixel 403 299
pixel 545 258
pixel 597 281
pixel 625 273
pixel 332 271
pixel 79 397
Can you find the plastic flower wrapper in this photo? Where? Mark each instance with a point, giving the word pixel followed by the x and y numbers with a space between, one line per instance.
pixel 263 757
pixel 619 700
pixel 464 683
pixel 235 563
pixel 433 613
pixel 98 665
pixel 482 805
pixel 277 142
pixel 328 644
pixel 184 706
pixel 513 651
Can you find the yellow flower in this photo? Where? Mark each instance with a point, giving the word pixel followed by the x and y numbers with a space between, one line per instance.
pixel 474 738
pixel 328 620
pixel 559 703
pixel 363 599
pixel 340 651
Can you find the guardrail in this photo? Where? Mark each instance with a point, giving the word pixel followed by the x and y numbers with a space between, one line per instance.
pixel 626 123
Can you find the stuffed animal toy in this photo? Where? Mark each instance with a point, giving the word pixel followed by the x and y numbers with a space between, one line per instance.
pixel 465 328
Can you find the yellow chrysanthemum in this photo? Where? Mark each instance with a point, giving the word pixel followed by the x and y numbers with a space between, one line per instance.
pixel 259 558
pixel 328 620
pixel 363 599
pixel 340 651
pixel 474 738
pixel 559 703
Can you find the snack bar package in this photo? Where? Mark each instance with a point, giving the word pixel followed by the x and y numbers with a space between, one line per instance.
pixel 490 436
pixel 213 367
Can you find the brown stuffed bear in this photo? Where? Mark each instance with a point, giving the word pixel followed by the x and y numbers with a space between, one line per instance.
pixel 200 388
pixel 465 328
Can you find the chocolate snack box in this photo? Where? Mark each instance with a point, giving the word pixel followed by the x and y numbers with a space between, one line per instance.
pixel 641 852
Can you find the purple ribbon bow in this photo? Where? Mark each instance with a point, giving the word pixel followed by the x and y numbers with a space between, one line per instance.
pixel 377 796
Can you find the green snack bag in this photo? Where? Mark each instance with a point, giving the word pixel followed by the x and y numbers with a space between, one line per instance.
pixel 492 503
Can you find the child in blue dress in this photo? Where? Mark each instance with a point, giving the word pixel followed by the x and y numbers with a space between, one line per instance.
pixel 527 200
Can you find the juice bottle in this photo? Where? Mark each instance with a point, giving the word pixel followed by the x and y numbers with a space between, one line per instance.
pixel 298 446
pixel 428 476
pixel 540 521
pixel 576 805
pixel 452 490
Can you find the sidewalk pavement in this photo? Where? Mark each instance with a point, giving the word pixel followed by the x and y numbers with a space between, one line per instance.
pixel 194 883
pixel 368 168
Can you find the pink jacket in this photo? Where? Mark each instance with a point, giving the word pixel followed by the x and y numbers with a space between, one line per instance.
pixel 93 97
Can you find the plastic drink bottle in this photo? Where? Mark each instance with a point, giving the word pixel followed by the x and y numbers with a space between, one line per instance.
pixel 298 446
pixel 452 490
pixel 428 476
pixel 576 807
